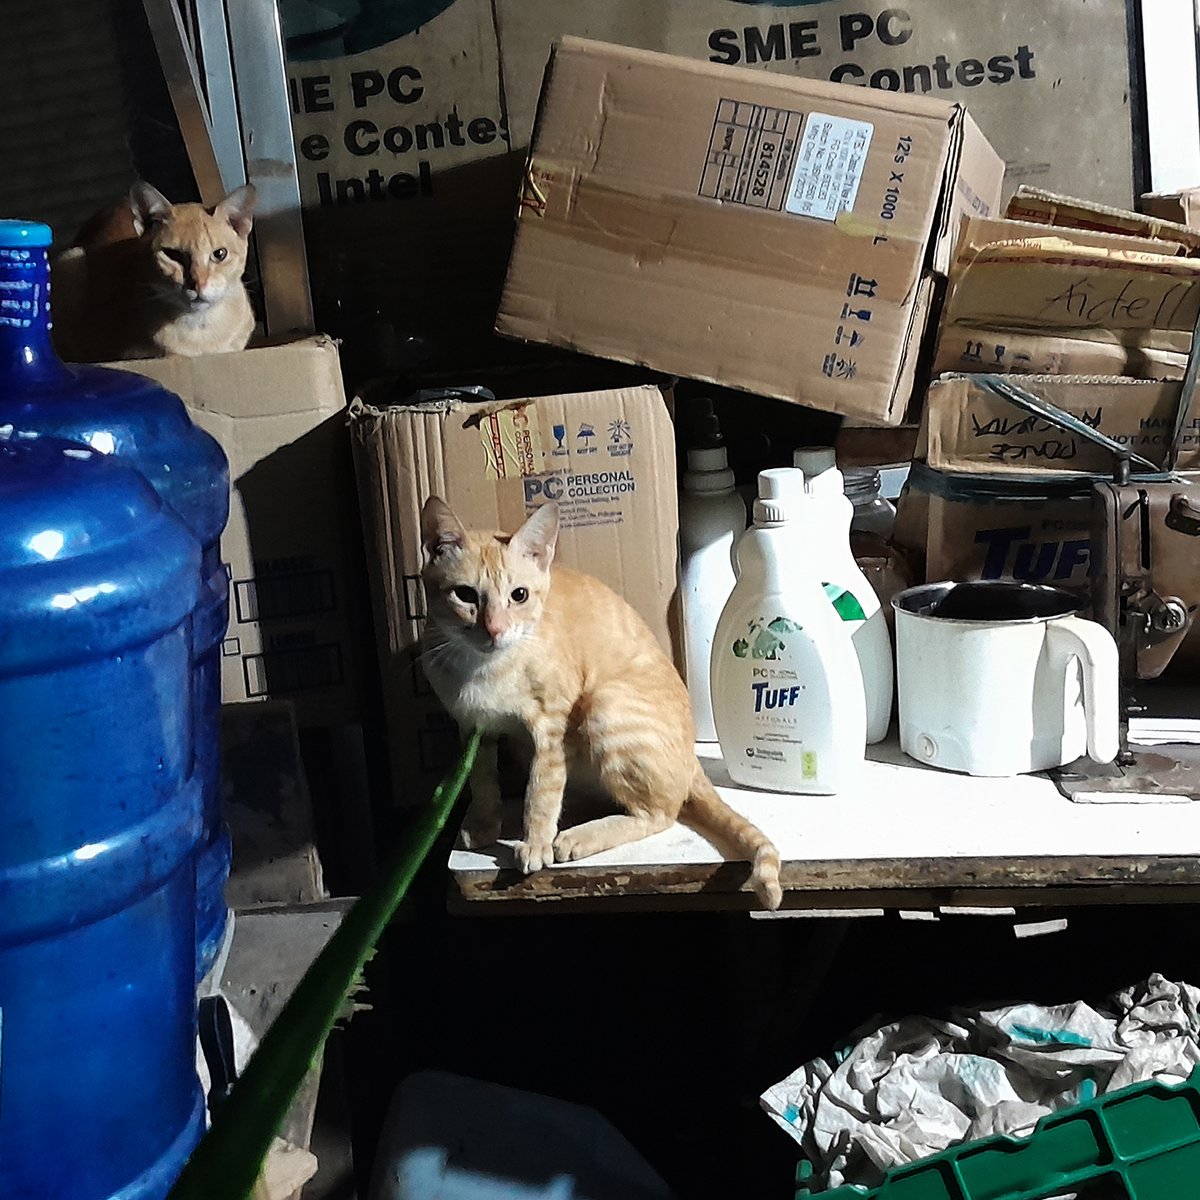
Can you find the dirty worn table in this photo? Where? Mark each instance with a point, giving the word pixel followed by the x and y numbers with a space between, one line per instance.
pixel 907 837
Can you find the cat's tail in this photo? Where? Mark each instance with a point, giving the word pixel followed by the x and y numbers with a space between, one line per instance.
pixel 714 816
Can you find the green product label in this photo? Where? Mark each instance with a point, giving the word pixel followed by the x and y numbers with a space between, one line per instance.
pixel 808 764
pixel 765 639
pixel 845 603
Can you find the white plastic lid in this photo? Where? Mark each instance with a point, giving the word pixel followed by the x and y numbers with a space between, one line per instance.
pixel 812 460
pixel 780 495
pixel 708 470
pixel 821 476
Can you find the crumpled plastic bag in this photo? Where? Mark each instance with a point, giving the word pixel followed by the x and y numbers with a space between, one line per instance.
pixel 916 1086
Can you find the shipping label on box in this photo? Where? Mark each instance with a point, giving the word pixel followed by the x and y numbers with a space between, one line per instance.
pixel 606 458
pixel 297 607
pixel 968 428
pixel 743 228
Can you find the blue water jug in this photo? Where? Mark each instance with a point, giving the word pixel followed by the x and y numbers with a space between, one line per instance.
pixel 100 821
pixel 118 412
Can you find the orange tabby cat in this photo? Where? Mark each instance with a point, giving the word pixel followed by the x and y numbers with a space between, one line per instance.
pixel 148 278
pixel 559 659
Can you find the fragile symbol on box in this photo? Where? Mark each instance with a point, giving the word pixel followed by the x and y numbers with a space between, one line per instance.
pixel 836 367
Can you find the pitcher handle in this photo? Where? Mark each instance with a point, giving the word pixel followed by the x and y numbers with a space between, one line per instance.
pixel 1093 645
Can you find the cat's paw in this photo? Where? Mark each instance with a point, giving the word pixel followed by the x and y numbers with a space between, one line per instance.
pixel 571 845
pixel 533 855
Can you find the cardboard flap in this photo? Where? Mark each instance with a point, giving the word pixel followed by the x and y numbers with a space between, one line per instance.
pixel 1047 208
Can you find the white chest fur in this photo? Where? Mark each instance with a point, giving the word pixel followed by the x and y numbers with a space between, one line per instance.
pixel 480 690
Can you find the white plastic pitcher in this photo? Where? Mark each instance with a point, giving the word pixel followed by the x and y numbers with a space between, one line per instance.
pixel 1001 678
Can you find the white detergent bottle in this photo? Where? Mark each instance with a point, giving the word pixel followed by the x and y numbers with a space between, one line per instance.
pixel 828 542
pixel 711 517
pixel 787 691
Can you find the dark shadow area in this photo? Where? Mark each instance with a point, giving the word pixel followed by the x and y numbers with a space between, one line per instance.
pixel 671 1025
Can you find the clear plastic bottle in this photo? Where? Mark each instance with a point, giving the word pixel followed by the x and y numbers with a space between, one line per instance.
pixel 851 592
pixel 872 513
pixel 711 517
pixel 787 694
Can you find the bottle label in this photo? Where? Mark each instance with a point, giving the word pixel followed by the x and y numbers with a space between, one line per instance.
pixel 774 696
pixel 765 639
pixel 845 603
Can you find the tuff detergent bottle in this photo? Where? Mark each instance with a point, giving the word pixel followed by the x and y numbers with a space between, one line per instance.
pixel 787 690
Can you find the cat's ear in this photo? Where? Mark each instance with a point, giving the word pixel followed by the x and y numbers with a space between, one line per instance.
pixel 148 205
pixel 238 209
pixel 441 530
pixel 538 536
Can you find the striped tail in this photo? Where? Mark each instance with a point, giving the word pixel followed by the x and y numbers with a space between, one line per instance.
pixel 714 816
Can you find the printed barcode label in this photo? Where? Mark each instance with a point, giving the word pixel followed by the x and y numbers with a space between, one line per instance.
pixel 750 152
pixel 299 669
pixel 829 166
pixel 279 597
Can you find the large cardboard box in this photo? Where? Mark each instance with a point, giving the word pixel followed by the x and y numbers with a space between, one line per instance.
pixel 418 117
pixel 766 233
pixel 606 457
pixel 968 428
pixel 297 621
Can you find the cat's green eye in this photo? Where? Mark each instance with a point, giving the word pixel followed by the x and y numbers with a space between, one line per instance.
pixel 520 595
pixel 220 254
pixel 465 594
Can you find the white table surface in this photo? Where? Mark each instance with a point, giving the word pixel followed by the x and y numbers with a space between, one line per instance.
pixel 900 812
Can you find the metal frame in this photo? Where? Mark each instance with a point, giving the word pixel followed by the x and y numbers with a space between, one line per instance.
pixel 225 69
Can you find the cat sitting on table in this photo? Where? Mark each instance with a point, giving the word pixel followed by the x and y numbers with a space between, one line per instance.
pixel 562 662
pixel 147 278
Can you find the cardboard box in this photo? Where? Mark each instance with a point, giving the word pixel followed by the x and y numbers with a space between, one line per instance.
pixel 968 428
pixel 740 228
pixel 1182 208
pixel 1047 208
pixel 1068 284
pixel 376 91
pixel 967 349
pixel 296 603
pixel 607 458
pixel 972 527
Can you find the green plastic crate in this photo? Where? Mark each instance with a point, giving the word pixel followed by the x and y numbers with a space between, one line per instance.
pixel 1143 1142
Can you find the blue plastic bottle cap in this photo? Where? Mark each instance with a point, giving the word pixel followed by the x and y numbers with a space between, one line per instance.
pixel 28 234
